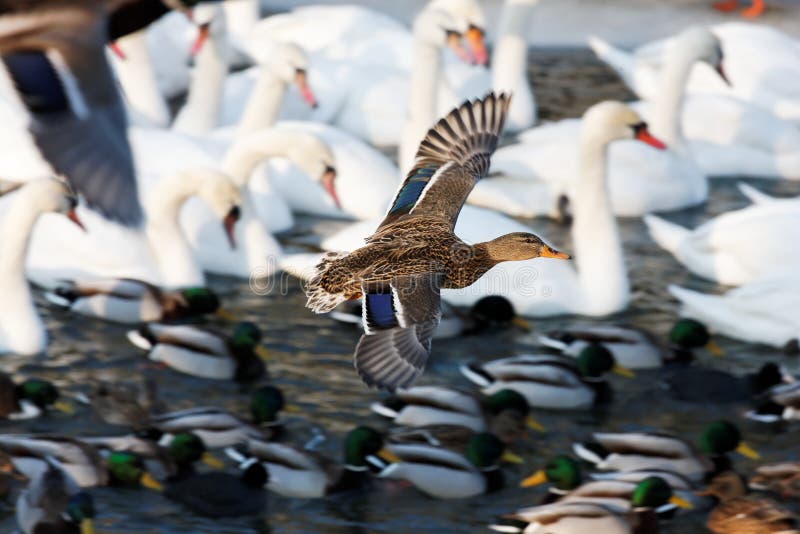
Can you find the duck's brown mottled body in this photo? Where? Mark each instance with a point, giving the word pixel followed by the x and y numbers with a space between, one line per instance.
pixel 414 252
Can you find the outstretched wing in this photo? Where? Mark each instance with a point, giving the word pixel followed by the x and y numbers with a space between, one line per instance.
pixel 399 321
pixel 452 157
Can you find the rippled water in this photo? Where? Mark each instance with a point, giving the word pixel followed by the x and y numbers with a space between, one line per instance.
pixel 311 361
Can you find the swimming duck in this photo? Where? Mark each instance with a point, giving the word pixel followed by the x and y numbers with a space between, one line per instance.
pixel 493 311
pixel 781 402
pixel 643 450
pixel 218 428
pixel 704 385
pixel 29 399
pixel 31 456
pixel 755 9
pixel 740 513
pixel 551 382
pixel 505 413
pixel 782 478
pixel 620 506
pixel 133 301
pixel 122 403
pixel 295 472
pixel 444 474
pixel 199 352
pixel 53 503
pixel 414 252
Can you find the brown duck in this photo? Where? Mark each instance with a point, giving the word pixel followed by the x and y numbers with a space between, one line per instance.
pixel 782 478
pixel 414 252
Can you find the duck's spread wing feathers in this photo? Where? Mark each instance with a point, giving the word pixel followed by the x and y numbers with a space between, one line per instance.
pixel 399 322
pixel 57 63
pixel 452 157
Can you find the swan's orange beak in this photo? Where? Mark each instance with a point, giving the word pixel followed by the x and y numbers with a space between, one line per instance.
pixel 301 81
pixel 477 46
pixel 203 31
pixel 454 43
pixel 72 215
pixel 644 135
pixel 116 50
pixel 328 183
pixel 548 252
pixel 229 222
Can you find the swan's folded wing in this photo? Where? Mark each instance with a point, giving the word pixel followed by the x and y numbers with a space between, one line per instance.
pixel 399 322
pixel 452 157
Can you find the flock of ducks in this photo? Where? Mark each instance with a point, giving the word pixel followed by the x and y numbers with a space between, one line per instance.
pixel 118 216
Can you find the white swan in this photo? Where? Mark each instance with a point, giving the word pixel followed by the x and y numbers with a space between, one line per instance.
pixel 762 64
pixel 714 249
pixel 21 328
pixel 542 168
pixel 597 285
pixel 726 136
pixel 160 254
pixel 761 311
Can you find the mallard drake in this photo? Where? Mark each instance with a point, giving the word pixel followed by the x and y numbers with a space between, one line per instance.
pixel 53 503
pixel 445 474
pixel 632 348
pixel 551 382
pixel 218 428
pixel 29 399
pixel 505 413
pixel 494 311
pixel 130 301
pixel 414 252
pixel 222 494
pixel 633 504
pixel 781 402
pixel 739 513
pixel 200 352
pixel 643 450
pixel 295 472
pixel 782 478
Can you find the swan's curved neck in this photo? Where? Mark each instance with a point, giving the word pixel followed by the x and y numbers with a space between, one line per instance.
pixel 249 151
pixel 421 112
pixel 599 258
pixel 137 77
pixel 168 243
pixel 666 118
pixel 200 113
pixel 16 229
pixel 264 103
pixel 509 58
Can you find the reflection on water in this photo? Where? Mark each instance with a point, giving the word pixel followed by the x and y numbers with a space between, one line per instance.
pixel 311 361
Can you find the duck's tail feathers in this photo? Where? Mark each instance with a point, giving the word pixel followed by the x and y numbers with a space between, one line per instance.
pixel 237 455
pixel 552 343
pixel 302 266
pixel 619 60
pixel 754 195
pixel 467 135
pixel 62 295
pixel 140 338
pixel 383 410
pixel 669 236
pixel 319 299
pixel 476 374
pixel 590 452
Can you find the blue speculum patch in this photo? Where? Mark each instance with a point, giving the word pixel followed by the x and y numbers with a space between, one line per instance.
pixel 410 192
pixel 380 310
pixel 37 81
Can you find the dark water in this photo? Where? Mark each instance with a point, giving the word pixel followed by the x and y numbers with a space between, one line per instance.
pixel 311 361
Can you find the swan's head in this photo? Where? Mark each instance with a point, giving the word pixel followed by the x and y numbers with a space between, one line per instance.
pixel 289 63
pixel 522 246
pixel 458 24
pixel 314 157
pixel 209 19
pixel 223 197
pixel 52 195
pixel 611 121
pixel 700 44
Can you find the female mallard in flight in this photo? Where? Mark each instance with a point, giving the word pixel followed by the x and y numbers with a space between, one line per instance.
pixel 642 450
pixel 28 399
pixel 414 252
pixel 200 352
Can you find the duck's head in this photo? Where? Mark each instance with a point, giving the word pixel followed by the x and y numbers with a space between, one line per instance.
pixel 653 493
pixel 186 448
pixel 700 44
pixel 128 469
pixel 363 446
pixel 80 511
pixel 497 310
pixel 246 335
pixel 722 437
pixel 42 394
pixel 561 471
pixel 595 360
pixel 521 246
pixel 510 401
pixel 611 121
pixel 485 451
pixel 690 334
pixel 314 157
pixel 457 24
pixel 289 62
pixel 200 300
pixel 265 404
pixel 222 195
